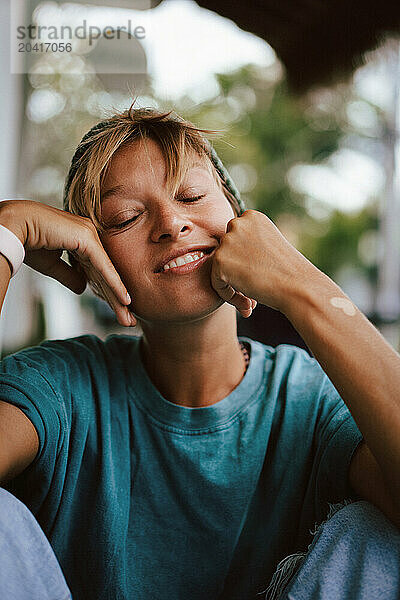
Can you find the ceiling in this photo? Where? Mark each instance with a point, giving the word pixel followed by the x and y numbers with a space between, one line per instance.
pixel 318 41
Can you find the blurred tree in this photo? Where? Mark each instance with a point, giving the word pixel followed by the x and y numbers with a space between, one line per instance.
pixel 339 243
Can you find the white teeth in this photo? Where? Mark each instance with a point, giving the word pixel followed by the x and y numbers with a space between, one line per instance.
pixel 182 260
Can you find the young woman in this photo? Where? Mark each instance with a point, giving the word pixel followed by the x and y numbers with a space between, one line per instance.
pixel 186 463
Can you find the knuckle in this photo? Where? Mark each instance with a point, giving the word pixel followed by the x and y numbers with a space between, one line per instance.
pixel 233 223
pixel 89 233
pixel 252 214
pixel 88 225
pixel 217 260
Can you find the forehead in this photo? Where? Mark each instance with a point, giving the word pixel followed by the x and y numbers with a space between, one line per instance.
pixel 141 163
pixel 147 156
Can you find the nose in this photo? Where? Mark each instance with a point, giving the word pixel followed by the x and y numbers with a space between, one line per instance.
pixel 170 223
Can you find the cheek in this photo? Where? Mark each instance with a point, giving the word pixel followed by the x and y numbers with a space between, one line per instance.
pixel 224 208
pixel 126 259
pixel 222 215
pixel 217 214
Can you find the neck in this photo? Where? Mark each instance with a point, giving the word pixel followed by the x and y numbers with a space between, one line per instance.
pixel 194 364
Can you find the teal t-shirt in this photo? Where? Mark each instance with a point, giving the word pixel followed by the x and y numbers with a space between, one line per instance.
pixel 145 499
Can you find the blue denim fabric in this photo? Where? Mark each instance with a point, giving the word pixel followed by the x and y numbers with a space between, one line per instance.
pixel 355 555
pixel 29 569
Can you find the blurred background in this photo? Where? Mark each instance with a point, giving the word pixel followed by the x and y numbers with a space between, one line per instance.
pixel 307 97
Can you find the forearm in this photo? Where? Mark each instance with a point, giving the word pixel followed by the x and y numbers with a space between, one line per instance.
pixel 361 364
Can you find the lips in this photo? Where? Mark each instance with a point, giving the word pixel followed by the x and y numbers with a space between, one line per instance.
pixel 180 252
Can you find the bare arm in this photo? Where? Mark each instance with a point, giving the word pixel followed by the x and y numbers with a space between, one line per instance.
pixel 19 442
pixel 366 372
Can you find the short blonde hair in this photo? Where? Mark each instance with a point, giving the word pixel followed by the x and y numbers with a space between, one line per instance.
pixel 177 138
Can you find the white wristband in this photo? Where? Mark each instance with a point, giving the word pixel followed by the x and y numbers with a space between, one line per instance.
pixel 11 248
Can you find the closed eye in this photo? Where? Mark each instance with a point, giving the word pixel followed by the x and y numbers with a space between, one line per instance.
pixel 125 223
pixel 132 219
pixel 190 199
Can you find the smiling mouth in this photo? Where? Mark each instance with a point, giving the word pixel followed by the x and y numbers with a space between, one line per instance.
pixel 187 262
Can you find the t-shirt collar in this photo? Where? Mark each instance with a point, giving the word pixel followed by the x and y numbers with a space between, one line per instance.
pixel 217 415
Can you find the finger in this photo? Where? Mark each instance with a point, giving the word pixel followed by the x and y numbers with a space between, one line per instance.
pixel 231 223
pixel 253 303
pixel 124 317
pixel 230 295
pixel 120 310
pixel 227 292
pixel 132 316
pixel 246 313
pixel 95 254
pixel 246 308
pixel 243 304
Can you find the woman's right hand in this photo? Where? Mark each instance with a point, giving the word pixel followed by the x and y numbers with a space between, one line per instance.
pixel 46 232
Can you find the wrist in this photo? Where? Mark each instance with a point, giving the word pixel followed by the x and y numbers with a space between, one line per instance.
pixel 310 287
pixel 12 217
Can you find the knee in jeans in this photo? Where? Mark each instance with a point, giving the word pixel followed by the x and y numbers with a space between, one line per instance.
pixel 360 528
pixel 363 524
pixel 351 514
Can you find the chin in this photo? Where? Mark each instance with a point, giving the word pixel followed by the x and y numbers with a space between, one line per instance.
pixel 179 313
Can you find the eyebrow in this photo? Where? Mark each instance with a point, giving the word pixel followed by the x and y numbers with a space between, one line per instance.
pixel 117 189
pixel 114 190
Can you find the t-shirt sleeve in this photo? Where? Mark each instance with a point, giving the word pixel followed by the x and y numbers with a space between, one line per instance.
pixel 54 384
pixel 336 438
pixel 29 380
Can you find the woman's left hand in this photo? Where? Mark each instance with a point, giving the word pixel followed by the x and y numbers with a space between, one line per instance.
pixel 255 261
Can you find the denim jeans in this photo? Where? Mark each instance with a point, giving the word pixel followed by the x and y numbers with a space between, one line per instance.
pixel 29 569
pixel 354 555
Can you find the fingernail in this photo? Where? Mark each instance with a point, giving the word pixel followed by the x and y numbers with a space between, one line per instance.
pixel 133 320
pixel 128 298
